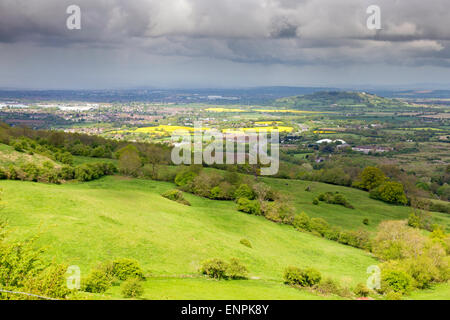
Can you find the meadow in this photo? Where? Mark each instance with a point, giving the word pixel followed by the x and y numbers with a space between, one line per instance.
pixel 86 223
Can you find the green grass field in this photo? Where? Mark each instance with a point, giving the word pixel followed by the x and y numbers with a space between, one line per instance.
pixel 85 223
pixel 365 207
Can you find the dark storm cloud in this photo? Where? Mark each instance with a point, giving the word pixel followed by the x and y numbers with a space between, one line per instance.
pixel 127 34
pixel 245 30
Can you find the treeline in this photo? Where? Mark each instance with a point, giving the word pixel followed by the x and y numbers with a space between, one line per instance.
pixel 61 147
pixel 48 173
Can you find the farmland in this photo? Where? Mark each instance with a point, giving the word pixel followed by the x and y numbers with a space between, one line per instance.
pixel 105 188
pixel 118 217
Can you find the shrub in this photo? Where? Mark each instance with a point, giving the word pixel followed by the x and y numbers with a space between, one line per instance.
pixel 98 281
pixel 361 290
pixel 394 240
pixel 132 288
pixel 333 234
pixel 302 222
pixel 336 198
pixel 236 270
pixel 12 173
pixel 357 239
pixel 301 277
pixel 277 211
pixel 244 191
pixel 185 177
pixel 328 286
pixel 66 173
pixel 216 193
pixel 124 269
pixel 316 201
pixel 390 192
pixel 249 206
pixel 366 221
pixel 396 280
pixel 176 195
pixel 319 225
pixel 3 174
pixel 246 243
pixel 51 282
pixel 204 182
pixel 214 268
pixel 423 270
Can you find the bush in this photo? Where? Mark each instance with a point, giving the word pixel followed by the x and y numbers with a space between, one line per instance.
pixel 51 282
pixel 390 192
pixel 246 243
pixel 249 206
pixel 124 269
pixel 277 211
pixel 316 201
pixel 132 288
pixel 319 226
pixel 366 221
pixel 12 173
pixel 333 234
pixel 336 198
pixel 244 191
pixel 301 277
pixel 236 270
pixel 357 239
pixel 184 178
pixel 66 173
pixel 328 286
pixel 396 280
pixel 302 222
pixel 98 281
pixel 361 290
pixel 3 174
pixel 394 240
pixel 214 268
pixel 176 195
pixel 423 270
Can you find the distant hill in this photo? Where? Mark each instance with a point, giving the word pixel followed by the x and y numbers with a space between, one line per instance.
pixel 330 100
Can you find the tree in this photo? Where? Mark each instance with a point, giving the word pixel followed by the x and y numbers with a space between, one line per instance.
pixel 129 160
pixel 156 155
pixel 391 192
pixel 370 178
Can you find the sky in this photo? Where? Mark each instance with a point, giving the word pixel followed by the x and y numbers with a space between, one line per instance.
pixel 223 43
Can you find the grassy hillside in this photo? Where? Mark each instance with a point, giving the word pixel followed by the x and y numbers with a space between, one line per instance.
pixel 365 207
pixel 9 156
pixel 84 223
pixel 339 99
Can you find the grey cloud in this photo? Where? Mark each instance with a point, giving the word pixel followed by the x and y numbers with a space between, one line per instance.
pixel 285 32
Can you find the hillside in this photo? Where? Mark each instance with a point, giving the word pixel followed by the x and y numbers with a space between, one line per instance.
pixel 85 223
pixel 9 156
pixel 339 100
pixel 351 219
